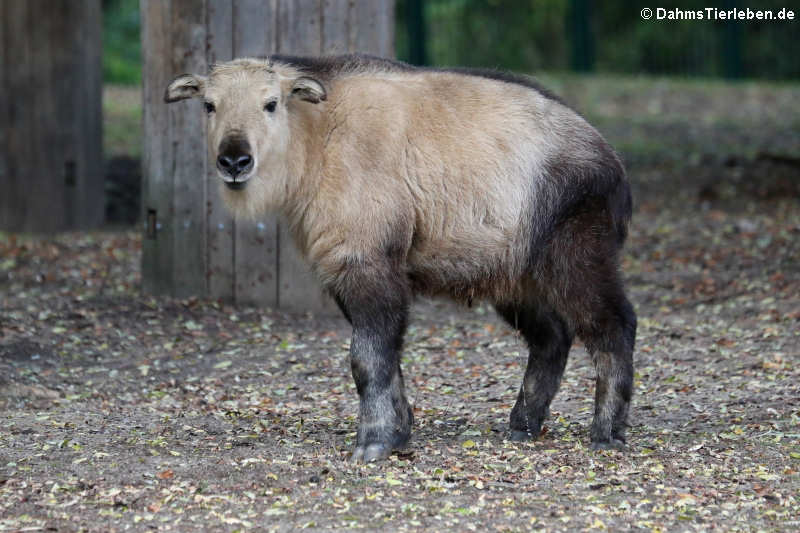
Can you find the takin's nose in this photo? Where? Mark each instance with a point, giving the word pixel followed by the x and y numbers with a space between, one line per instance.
pixel 234 157
pixel 233 165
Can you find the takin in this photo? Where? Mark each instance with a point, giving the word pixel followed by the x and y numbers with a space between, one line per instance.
pixel 399 181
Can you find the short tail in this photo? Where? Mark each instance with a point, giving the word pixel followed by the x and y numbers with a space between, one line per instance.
pixel 620 205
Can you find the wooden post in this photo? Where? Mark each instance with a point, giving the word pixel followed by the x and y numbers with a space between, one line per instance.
pixel 192 246
pixel 51 152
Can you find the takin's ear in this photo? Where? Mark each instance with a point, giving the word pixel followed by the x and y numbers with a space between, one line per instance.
pixel 308 89
pixel 185 86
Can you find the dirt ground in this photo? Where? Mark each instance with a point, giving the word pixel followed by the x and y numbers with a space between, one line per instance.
pixel 122 411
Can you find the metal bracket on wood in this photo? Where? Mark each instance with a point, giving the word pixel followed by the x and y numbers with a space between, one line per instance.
pixel 152 224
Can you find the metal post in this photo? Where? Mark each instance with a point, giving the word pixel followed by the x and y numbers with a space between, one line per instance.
pixel 417 45
pixel 582 41
pixel 732 45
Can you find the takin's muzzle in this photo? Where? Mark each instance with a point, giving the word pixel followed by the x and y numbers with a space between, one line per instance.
pixel 235 161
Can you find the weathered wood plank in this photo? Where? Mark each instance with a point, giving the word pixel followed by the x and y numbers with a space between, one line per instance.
pixel 256 261
pixel 52 164
pixel 220 266
pixel 254 24
pixel 31 164
pixel 385 29
pixel 256 251
pixel 78 126
pixel 300 27
pixel 157 247
pixel 92 182
pixel 16 147
pixel 372 27
pixel 63 117
pixel 186 136
pixel 5 178
pixel 335 27
pixel 45 197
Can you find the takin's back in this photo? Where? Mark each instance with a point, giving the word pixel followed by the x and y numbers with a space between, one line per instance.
pixel 464 175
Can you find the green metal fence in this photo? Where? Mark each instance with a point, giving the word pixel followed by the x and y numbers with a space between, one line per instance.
pixel 609 36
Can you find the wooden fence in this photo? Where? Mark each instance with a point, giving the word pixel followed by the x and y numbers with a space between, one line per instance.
pixel 192 246
pixel 51 151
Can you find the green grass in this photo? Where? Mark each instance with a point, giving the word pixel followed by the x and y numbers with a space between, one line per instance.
pixel 122 120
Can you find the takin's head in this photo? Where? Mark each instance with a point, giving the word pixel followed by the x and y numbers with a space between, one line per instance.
pixel 249 103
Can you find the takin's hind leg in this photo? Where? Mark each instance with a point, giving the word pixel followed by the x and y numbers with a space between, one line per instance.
pixel 549 341
pixel 610 338
pixel 580 274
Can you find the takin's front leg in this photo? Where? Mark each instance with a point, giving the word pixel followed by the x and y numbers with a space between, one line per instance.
pixel 375 301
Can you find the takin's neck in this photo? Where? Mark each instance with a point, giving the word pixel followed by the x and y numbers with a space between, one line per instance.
pixel 304 168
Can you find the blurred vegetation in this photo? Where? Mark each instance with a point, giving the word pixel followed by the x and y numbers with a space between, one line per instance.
pixel 122 120
pixel 533 35
pixel 520 35
pixel 122 50
pixel 677 122
pixel 530 35
pixel 626 43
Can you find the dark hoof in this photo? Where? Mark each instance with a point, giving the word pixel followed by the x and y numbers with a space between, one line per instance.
pixel 521 436
pixel 613 444
pixel 378 451
pixel 371 453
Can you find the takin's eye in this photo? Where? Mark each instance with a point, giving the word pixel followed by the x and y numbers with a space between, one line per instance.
pixel 210 107
pixel 270 106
